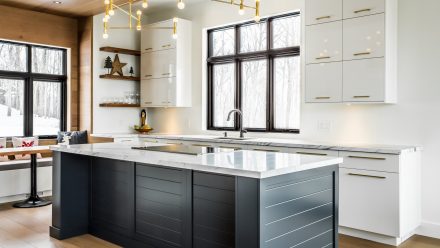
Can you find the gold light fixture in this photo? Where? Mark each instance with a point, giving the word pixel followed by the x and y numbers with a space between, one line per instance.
pixel 110 8
pixel 242 6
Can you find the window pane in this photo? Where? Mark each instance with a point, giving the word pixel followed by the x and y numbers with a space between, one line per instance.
pixel 254 88
pixel 286 32
pixel 13 57
pixel 223 42
pixel 47 61
pixel 47 108
pixel 11 107
pixel 287 92
pixel 223 95
pixel 253 38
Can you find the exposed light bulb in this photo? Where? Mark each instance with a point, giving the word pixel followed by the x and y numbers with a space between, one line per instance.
pixel 138 12
pixel 107 17
pixel 145 5
pixel 181 4
pixel 175 20
pixel 105 36
pixel 104 19
pixel 106 1
pixel 138 27
pixel 111 12
pixel 175 36
pixel 241 12
pixel 257 18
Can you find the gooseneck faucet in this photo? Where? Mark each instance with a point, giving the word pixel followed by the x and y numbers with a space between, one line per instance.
pixel 240 114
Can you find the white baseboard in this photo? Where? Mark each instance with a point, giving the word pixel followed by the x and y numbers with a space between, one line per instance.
pixel 429 229
pixel 15 198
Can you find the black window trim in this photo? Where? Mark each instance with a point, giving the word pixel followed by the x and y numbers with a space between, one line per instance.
pixel 28 78
pixel 270 54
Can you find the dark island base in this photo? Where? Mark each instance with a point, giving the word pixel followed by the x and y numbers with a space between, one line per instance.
pixel 139 205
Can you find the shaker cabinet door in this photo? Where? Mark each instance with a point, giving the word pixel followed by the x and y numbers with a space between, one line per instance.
pixel 324 42
pixel 320 11
pixel 357 8
pixel 364 37
pixel 364 80
pixel 324 82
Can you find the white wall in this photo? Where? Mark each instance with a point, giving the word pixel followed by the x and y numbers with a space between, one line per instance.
pixel 113 120
pixel 414 120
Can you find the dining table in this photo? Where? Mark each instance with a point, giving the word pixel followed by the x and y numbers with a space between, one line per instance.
pixel 33 200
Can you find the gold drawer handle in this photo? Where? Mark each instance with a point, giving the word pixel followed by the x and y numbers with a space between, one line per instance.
pixel 165 74
pixel 323 17
pixel 148 49
pixel 265 150
pixel 148 75
pixel 372 158
pixel 322 97
pixel 363 175
pixel 323 57
pixel 362 54
pixel 361 96
pixel 312 153
pixel 361 10
pixel 148 102
pixel 166 45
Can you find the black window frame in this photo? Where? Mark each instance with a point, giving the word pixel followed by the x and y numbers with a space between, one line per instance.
pixel 29 78
pixel 237 58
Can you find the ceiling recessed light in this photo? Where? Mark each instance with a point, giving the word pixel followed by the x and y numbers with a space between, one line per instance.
pixel 57 2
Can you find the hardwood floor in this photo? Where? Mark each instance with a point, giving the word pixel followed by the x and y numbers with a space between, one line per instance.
pixel 29 228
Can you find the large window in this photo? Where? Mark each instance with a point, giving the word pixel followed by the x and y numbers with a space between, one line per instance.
pixel 255 67
pixel 32 90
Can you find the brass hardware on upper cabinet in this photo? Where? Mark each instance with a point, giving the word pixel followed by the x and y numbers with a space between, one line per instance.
pixel 148 49
pixel 168 45
pixel 148 102
pixel 227 147
pixel 322 97
pixel 324 57
pixel 363 175
pixel 362 157
pixel 361 10
pixel 361 54
pixel 361 96
pixel 312 153
pixel 148 75
pixel 265 150
pixel 164 74
pixel 323 17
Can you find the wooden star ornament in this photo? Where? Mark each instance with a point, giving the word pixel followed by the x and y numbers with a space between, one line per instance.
pixel 117 66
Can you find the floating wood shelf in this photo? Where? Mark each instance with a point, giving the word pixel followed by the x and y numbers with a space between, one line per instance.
pixel 120 51
pixel 114 77
pixel 119 105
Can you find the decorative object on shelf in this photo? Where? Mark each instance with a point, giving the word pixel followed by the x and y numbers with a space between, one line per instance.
pixel 144 127
pixel 120 50
pixel 117 66
pixel 117 77
pixel 130 99
pixel 242 6
pixel 108 64
pixel 131 71
pixel 110 11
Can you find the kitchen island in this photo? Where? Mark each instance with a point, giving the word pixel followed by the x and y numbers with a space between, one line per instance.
pixel 215 198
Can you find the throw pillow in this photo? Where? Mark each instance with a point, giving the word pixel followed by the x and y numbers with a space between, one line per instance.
pixel 25 142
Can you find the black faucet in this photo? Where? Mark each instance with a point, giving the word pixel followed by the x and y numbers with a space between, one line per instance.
pixel 240 114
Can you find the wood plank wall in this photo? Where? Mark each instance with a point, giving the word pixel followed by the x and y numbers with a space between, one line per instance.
pixel 85 42
pixel 35 27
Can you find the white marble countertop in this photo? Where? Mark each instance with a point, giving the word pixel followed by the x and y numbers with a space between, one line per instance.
pixel 254 164
pixel 277 142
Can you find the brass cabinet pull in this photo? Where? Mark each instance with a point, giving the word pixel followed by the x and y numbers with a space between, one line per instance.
pixel 148 102
pixel 363 175
pixel 322 97
pixel 312 153
pixel 265 150
pixel 166 102
pixel 227 147
pixel 361 10
pixel 168 45
pixel 361 96
pixel 362 157
pixel 323 17
pixel 323 57
pixel 148 75
pixel 164 74
pixel 361 54
pixel 148 49
pixel 201 145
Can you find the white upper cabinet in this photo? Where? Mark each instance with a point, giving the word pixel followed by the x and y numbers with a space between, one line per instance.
pixel 157 37
pixel 324 42
pixel 321 11
pixel 364 37
pixel 324 82
pixel 166 65
pixel 357 8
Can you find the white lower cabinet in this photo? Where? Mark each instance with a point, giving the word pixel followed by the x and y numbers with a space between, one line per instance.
pixel 369 201
pixel 364 80
pixel 324 82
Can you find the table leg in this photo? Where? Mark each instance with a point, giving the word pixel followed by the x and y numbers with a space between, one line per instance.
pixel 34 200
